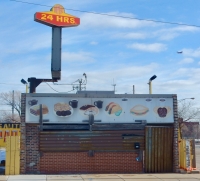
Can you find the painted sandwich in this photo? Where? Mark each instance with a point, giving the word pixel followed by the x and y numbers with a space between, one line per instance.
pixel 113 108
pixel 35 110
pixel 139 110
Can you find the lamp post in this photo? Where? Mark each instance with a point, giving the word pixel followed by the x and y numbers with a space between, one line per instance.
pixel 186 98
pixel 150 84
pixel 25 83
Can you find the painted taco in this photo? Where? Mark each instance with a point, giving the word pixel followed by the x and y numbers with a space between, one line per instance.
pixel 113 108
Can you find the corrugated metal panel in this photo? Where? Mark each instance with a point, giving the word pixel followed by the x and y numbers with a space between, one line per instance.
pixel 12 166
pixel 158 149
pixel 121 140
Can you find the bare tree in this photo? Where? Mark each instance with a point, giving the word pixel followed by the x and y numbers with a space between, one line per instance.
pixel 189 116
pixel 7 116
pixel 187 111
pixel 13 100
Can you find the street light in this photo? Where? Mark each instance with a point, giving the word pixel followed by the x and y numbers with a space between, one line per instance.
pixel 25 83
pixel 150 85
pixel 186 98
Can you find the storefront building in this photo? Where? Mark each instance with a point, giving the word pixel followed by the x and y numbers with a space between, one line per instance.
pixel 99 132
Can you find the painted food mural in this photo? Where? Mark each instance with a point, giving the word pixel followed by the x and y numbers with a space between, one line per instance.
pixel 62 109
pixel 58 110
pixel 35 110
pixel 162 111
pixel 89 109
pixel 139 110
pixel 113 109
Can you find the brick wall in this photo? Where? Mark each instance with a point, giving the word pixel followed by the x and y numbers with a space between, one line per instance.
pixel 32 149
pixel 23 136
pixel 29 152
pixel 75 162
pixel 175 141
pixel 80 162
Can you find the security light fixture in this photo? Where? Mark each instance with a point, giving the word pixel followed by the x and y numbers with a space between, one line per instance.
pixel 150 86
pixel 152 78
pixel 23 81
pixel 84 74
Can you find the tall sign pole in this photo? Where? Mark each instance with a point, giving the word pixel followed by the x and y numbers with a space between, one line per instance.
pixel 57 19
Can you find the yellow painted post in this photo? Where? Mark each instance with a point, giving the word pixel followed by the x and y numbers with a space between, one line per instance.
pixel 183 154
pixel 7 166
pixel 12 155
pixel 179 146
pixel 17 155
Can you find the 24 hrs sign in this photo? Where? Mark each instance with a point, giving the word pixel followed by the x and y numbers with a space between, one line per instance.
pixel 57 17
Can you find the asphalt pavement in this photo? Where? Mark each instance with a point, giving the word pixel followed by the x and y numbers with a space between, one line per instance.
pixel 104 177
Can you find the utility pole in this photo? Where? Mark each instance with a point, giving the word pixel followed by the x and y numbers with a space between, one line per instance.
pixel 13 101
pixel 114 85
pixel 80 82
pixel 133 89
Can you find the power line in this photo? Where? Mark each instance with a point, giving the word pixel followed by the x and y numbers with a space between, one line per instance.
pixel 10 84
pixel 51 87
pixel 23 85
pixel 117 16
pixel 70 90
pixel 56 90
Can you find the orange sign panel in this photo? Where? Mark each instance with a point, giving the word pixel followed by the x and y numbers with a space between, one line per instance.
pixel 8 129
pixel 57 17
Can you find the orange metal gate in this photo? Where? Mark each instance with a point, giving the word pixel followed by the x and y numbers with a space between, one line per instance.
pixel 158 149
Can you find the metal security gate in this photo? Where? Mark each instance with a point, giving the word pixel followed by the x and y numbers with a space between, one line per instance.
pixel 99 151
pixel 158 149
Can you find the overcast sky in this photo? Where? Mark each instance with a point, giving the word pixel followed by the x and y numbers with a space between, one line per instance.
pixel 106 48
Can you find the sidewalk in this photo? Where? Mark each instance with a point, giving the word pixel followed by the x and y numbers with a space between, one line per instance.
pixel 104 177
